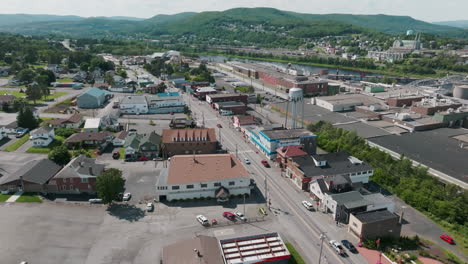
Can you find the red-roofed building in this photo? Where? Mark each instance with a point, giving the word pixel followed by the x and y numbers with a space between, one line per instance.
pixel 288 152
pixel 189 141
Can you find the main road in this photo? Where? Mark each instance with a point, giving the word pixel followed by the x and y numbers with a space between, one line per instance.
pixel 303 226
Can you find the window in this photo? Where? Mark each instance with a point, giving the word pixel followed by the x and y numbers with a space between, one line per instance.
pixel 359 173
pixel 231 183
pixel 190 186
pixel 354 224
pixel 204 185
pixel 143 148
pixel 369 171
pixel 217 184
pixel 176 187
pixel 84 180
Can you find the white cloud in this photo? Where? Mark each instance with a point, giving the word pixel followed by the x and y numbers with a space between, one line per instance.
pixel 428 10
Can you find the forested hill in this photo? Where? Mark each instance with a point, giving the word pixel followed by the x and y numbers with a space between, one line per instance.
pixel 256 25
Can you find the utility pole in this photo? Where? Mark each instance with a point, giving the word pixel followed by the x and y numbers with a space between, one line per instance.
pixel 219 129
pixel 322 237
pixel 237 156
pixel 244 204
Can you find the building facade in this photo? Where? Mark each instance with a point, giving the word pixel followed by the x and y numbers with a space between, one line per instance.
pixel 189 141
pixel 42 136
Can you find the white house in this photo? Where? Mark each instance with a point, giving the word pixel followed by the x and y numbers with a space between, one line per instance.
pixel 92 125
pixel 3 133
pixel 119 139
pixel 209 175
pixel 42 136
pixel 134 104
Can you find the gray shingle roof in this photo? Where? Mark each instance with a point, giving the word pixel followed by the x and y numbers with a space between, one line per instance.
pixel 374 216
pixel 42 130
pixel 81 165
pixel 351 199
pixel 36 171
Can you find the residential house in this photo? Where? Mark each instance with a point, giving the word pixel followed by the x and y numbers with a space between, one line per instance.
pixel 5 71
pixel 121 88
pixel 303 169
pixel 196 176
pixel 89 139
pixel 375 224
pixel 10 128
pixel 2 132
pixel 6 100
pixel 142 145
pixel 74 121
pixel 119 139
pixel 285 154
pixel 42 136
pixel 189 141
pixel 54 68
pixel 102 86
pixel 110 121
pixel 92 125
pixel 77 177
pixel 31 177
pixel 269 140
pixel 81 77
pixel 134 104
pixel 93 98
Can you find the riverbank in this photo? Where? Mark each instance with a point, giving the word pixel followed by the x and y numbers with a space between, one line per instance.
pixel 296 61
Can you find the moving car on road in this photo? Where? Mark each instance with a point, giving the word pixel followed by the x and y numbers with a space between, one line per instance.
pixel 349 246
pixel 149 207
pixel 219 126
pixel 202 220
pixel 337 247
pixel 447 239
pixel 142 159
pixel 247 161
pixel 266 164
pixel 308 205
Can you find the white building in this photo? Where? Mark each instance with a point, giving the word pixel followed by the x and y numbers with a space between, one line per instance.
pixel 42 136
pixel 134 104
pixel 210 175
pixel 92 125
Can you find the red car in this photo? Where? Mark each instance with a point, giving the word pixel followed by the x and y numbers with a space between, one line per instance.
pixel 229 216
pixel 266 164
pixel 142 159
pixel 447 239
pixel 219 126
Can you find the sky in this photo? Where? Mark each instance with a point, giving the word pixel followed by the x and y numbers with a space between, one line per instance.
pixel 427 10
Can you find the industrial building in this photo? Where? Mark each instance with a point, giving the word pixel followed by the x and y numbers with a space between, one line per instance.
pixel 429 106
pixel 230 108
pixel 162 103
pixel 344 102
pixel 229 97
pixel 287 79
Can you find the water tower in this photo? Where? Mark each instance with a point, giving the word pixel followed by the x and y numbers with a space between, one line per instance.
pixel 296 98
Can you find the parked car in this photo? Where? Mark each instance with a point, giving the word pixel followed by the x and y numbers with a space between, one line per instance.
pixel 266 164
pixel 337 247
pixel 240 216
pixel 127 196
pixel 349 246
pixel 219 126
pixel 95 201
pixel 149 207
pixel 447 239
pixel 202 220
pixel 308 205
pixel 142 159
pixel 229 216
pixel 214 221
pixel 247 161
pixel 116 155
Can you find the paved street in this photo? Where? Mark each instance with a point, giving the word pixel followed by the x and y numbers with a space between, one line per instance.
pixel 303 225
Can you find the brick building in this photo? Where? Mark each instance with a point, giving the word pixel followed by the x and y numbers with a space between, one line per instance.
pixel 232 97
pixel 189 141
pixel 374 224
pixel 401 101
pixel 430 106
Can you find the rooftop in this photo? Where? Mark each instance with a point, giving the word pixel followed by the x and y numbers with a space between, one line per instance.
pixel 224 95
pixel 36 171
pixel 204 168
pixel 96 92
pixel 134 99
pixel 92 123
pixel 184 135
pixel 336 163
pixel 253 249
pixel 375 216
pixel 81 167
pixel 352 199
pixel 42 130
pixel 288 133
pixel 246 120
pixel 79 137
pixel 350 99
pixel 230 104
pixel 291 151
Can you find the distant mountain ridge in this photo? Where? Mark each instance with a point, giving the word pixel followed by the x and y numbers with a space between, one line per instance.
pixel 454 23
pixel 235 24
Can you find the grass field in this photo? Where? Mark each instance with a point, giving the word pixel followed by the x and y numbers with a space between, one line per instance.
pixel 4 197
pixel 295 257
pixel 65 80
pixel 18 143
pixel 45 150
pixel 29 198
pixel 20 95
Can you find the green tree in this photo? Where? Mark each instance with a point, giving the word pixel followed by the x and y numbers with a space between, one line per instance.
pixel 34 92
pixel 60 155
pixel 26 76
pixel 64 132
pixel 26 118
pixel 84 66
pixel 109 184
pixel 6 106
pixel 18 104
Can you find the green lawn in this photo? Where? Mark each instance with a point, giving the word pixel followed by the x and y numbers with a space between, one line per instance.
pixel 45 150
pixel 18 143
pixel 295 257
pixel 65 80
pixel 29 198
pixel 4 197
pixel 19 95
pixel 37 66
pixel 122 153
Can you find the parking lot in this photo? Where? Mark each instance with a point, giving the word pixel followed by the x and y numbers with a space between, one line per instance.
pixel 82 233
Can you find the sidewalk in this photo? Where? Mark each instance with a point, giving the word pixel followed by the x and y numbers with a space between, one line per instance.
pixel 372 256
pixel 15 196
